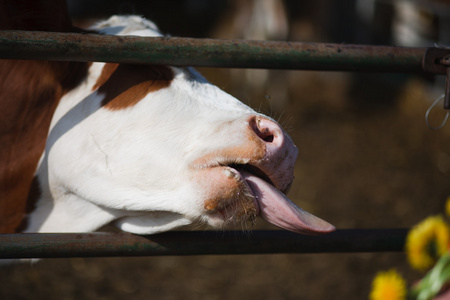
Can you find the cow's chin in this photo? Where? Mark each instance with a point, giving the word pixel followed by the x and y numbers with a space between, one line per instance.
pixel 227 197
pixel 230 197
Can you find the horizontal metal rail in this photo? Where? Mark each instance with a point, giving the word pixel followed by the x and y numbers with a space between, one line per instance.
pixel 209 53
pixel 100 244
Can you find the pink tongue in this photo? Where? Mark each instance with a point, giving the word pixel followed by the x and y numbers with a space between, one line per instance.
pixel 277 209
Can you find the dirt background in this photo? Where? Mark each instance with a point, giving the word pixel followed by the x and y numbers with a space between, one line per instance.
pixel 367 160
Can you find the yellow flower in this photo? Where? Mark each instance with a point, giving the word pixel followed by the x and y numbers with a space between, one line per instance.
pixel 388 285
pixel 426 242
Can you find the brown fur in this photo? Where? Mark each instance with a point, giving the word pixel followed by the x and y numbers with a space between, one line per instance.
pixel 29 94
pixel 125 85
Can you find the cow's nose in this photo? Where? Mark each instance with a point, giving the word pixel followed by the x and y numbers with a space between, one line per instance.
pixel 280 151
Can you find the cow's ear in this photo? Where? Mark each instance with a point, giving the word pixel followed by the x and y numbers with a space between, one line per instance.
pixel 38 15
pixel 152 222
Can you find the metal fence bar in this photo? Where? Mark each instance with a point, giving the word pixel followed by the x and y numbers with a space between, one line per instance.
pixel 100 244
pixel 209 52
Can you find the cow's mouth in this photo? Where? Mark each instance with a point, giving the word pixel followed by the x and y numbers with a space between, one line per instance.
pixel 248 168
pixel 272 205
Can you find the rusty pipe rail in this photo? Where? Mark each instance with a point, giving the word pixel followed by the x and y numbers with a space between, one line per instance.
pixel 98 244
pixel 209 53
pixel 38 45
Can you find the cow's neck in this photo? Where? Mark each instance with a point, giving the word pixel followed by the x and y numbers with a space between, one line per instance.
pixel 29 93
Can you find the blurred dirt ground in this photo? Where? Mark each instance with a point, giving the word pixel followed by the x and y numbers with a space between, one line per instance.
pixel 367 160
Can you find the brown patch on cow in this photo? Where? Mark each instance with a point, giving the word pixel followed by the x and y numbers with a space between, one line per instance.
pixel 124 85
pixel 252 152
pixel 107 71
pixel 29 94
pixel 211 204
pixel 227 195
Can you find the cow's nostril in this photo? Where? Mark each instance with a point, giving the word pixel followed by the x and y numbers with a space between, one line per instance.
pixel 266 136
pixel 265 129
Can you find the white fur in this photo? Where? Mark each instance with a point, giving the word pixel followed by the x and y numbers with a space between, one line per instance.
pixel 133 166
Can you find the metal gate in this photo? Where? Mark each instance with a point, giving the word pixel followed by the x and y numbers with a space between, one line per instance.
pixel 212 53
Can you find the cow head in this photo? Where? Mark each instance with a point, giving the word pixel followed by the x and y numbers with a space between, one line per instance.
pixel 152 148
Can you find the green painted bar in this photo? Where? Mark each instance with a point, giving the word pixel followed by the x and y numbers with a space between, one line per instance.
pixel 101 244
pixel 209 53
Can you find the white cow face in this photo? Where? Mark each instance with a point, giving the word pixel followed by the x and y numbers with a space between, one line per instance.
pixel 151 148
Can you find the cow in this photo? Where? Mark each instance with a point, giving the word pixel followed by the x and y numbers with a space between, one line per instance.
pixel 147 148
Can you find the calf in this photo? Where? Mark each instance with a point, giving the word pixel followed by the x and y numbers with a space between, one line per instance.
pixel 148 148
